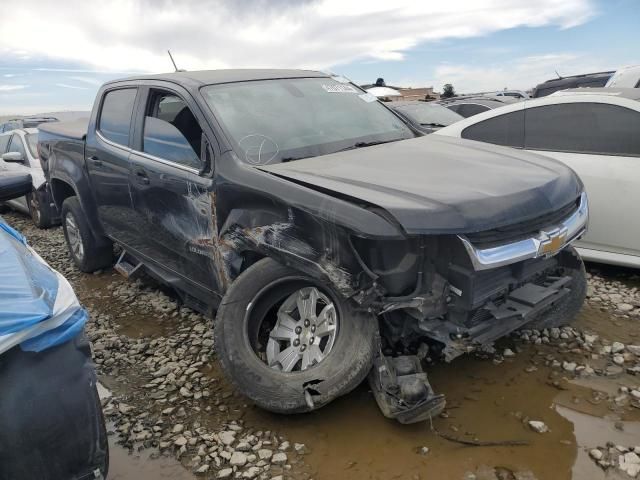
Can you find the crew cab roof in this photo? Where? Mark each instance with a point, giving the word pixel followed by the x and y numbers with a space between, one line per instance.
pixel 196 79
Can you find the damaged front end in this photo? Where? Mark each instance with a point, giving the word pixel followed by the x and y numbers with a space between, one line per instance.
pixel 451 294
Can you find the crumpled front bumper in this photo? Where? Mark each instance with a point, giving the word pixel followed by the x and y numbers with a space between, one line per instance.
pixel 547 242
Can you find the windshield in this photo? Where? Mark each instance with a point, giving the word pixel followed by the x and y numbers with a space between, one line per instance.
pixel 32 142
pixel 286 119
pixel 429 114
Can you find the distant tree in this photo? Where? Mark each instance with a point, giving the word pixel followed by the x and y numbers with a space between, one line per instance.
pixel 380 82
pixel 448 91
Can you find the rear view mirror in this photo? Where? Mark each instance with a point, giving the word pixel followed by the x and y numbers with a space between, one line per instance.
pixel 13 185
pixel 13 157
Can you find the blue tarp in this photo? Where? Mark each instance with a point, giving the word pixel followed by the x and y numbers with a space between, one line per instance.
pixel 38 308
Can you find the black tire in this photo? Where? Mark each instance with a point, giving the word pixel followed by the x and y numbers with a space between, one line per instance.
pixel 39 209
pixel 259 289
pixel 93 257
pixel 565 311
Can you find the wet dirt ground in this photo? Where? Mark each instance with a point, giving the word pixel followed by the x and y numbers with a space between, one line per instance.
pixel 487 400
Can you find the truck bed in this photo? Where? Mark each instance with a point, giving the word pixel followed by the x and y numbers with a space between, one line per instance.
pixel 76 129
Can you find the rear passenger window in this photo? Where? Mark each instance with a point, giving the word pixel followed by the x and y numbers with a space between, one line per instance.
pixel 115 116
pixel 471 109
pixel 595 128
pixel 171 131
pixel 505 130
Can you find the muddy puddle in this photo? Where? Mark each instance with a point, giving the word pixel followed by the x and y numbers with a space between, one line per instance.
pixel 486 402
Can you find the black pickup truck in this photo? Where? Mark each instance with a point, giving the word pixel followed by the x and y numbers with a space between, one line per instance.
pixel 331 239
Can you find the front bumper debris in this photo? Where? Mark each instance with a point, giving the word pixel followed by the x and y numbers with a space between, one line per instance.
pixel 402 390
pixel 520 306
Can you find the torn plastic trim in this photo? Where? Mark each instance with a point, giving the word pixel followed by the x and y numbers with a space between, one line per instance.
pixel 547 242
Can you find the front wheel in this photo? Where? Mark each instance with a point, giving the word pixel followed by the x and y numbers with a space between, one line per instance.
pixel 290 343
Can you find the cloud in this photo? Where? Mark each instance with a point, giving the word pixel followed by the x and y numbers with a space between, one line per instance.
pixel 10 88
pixel 522 74
pixel 66 85
pixel 135 34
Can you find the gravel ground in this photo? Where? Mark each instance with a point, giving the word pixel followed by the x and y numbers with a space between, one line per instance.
pixel 167 396
pixel 163 394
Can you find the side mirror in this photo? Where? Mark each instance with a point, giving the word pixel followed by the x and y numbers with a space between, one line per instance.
pixel 14 186
pixel 13 157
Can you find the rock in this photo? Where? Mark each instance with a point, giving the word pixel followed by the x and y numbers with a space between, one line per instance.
pixel 238 459
pixel 180 441
pixel 625 307
pixel 225 473
pixel 251 472
pixel 629 463
pixel 596 454
pixel 590 338
pixel 243 447
pixel 265 454
pixel 635 349
pixel 569 366
pixel 508 353
pixel 618 359
pixel 635 394
pixel 617 347
pixel 178 428
pixel 423 450
pixel 300 448
pixel 284 446
pixel 279 458
pixel 203 469
pixel 538 426
pixel 227 437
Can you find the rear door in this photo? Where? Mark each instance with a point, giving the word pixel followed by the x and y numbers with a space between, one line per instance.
pixel 601 142
pixel 172 202
pixel 107 159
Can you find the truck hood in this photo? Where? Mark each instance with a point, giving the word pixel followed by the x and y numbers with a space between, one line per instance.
pixel 439 184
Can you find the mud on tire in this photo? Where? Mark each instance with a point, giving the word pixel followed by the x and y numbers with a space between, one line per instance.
pixel 566 309
pixel 256 294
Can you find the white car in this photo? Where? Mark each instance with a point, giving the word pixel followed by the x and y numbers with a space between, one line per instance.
pixel 625 77
pixel 18 153
pixel 596 131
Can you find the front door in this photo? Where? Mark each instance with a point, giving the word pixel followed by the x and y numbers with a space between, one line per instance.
pixel 172 202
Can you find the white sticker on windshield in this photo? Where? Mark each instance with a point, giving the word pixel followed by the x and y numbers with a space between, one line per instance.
pixel 341 88
pixel 367 97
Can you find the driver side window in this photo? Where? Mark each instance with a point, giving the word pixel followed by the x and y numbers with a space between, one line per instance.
pixel 171 131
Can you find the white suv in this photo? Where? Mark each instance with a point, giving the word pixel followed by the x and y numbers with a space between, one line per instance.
pixel 18 153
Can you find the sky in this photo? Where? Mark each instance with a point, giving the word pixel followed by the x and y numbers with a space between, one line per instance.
pixel 54 55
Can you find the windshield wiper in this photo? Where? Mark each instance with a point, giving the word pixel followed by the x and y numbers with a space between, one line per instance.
pixel 432 125
pixel 366 144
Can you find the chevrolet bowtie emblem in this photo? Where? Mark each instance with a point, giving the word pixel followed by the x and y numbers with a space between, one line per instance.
pixel 552 241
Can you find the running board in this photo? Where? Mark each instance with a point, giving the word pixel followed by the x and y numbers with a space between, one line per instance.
pixel 402 390
pixel 126 265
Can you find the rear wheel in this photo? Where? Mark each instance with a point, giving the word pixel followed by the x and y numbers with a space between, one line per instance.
pixel 83 247
pixel 290 343
pixel 39 209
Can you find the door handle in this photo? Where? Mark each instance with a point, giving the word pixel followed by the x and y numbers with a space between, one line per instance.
pixel 95 160
pixel 141 175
